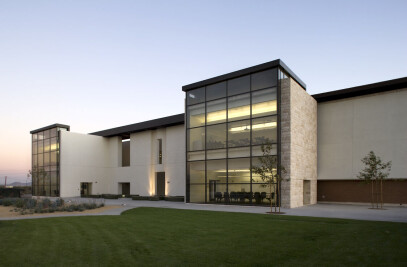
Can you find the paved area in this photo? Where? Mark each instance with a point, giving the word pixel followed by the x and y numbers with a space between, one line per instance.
pixel 345 211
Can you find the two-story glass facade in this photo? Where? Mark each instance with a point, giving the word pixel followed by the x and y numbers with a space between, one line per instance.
pixel 226 124
pixel 45 160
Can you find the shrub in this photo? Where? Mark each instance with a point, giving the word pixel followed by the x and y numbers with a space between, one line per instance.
pixel 110 196
pixel 46 202
pixel 140 198
pixel 59 202
pixel 69 208
pixel 30 203
pixel 8 202
pixel 94 196
pixel 19 203
pixel 175 198
pixel 91 206
pixel 154 198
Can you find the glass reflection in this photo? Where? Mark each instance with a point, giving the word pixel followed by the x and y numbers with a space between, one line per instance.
pixel 239 133
pixel 196 96
pixel 264 79
pixel 264 102
pixel 239 107
pixel 239 170
pixel 196 116
pixel 196 139
pixel 216 136
pixel 216 111
pixel 264 130
pixel 196 172
pixel 239 85
pixel 215 91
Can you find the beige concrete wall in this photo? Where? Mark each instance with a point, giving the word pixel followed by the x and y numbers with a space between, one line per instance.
pixel 97 160
pixel 349 128
pixel 299 143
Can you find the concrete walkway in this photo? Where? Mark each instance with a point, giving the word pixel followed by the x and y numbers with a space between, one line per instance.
pixel 345 211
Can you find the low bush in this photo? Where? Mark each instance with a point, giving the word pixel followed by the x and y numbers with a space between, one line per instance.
pixel 20 203
pixel 8 201
pixel 175 198
pixel 46 202
pixel 46 205
pixel 94 196
pixel 110 196
pixel 154 198
pixel 140 198
pixel 30 203
pixel 60 202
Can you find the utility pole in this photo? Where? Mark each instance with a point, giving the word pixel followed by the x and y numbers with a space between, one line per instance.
pixel 5 182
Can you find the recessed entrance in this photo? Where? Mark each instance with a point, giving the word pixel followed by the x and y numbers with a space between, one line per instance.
pixel 125 188
pixel 160 182
pixel 86 189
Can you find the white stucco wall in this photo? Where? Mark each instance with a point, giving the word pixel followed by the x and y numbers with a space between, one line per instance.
pixel 349 128
pixel 85 158
pixel 97 160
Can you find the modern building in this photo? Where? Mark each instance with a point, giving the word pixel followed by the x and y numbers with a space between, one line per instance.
pixel 207 153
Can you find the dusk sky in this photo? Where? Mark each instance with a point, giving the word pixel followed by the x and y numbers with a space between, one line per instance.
pixel 95 65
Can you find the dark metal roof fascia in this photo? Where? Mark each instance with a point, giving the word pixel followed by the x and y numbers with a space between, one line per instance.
pixel 242 72
pixel 50 127
pixel 362 90
pixel 143 126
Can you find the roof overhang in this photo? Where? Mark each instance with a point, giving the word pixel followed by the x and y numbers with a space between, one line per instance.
pixel 125 131
pixel 50 127
pixel 235 74
pixel 362 90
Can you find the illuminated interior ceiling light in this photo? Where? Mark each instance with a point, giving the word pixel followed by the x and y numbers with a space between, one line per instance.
pixel 264 107
pixel 216 116
pixel 239 112
pixel 259 108
pixel 256 126
pixel 238 170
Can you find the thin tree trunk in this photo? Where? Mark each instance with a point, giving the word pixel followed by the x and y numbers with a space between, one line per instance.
pixel 372 197
pixel 377 193
pixel 278 195
pixel 275 204
pixel 381 193
pixel 271 202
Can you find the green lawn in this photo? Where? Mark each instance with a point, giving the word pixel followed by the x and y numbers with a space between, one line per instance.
pixel 168 237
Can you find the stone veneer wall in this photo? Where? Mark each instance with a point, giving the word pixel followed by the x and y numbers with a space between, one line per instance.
pixel 298 143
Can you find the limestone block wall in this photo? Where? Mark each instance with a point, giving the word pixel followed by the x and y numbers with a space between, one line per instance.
pixel 298 143
pixel 285 140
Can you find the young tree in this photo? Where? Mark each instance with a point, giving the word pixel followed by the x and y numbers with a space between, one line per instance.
pixel 268 173
pixel 375 172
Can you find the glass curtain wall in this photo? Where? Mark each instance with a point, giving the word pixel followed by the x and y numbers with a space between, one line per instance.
pixel 227 123
pixel 45 162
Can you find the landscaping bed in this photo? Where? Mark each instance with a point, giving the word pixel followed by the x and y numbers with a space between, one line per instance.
pixel 46 205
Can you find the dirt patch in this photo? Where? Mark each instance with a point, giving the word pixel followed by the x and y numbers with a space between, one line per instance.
pixel 7 212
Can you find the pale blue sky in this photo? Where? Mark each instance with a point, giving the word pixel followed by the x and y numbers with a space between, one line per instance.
pixel 100 64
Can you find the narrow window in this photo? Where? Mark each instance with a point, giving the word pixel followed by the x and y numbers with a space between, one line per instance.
pixel 160 151
pixel 125 152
